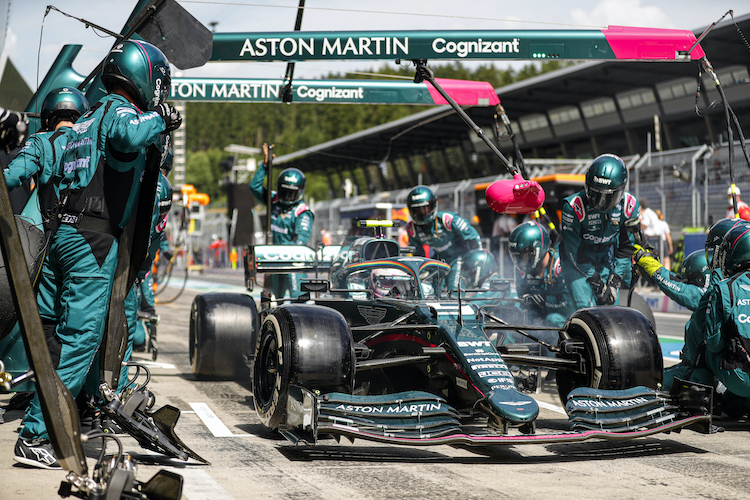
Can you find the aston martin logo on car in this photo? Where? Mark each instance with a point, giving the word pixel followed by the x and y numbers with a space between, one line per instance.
pixel 372 315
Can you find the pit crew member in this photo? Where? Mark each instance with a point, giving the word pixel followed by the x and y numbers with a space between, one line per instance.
pixel 448 235
pixel 291 218
pixel 596 248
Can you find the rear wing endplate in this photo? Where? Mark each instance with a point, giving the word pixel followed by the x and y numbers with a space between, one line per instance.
pixel 286 259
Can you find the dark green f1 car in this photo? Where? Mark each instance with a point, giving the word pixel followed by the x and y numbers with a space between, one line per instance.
pixel 379 351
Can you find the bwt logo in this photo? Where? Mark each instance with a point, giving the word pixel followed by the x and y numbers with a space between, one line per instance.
pixel 602 180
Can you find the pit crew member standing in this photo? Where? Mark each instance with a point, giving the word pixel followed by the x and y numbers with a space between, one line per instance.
pixel 448 235
pixel 99 185
pixel 291 218
pixel 37 159
pixel 538 275
pixel 596 248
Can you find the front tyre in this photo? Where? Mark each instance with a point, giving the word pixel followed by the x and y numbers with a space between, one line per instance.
pixel 619 349
pixel 300 344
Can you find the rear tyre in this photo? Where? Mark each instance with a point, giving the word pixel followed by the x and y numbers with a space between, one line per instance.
pixel 305 345
pixel 620 350
pixel 223 329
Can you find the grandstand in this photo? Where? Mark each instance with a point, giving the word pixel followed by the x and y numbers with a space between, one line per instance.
pixel 576 113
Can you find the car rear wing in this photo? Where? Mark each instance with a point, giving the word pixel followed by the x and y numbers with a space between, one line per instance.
pixel 286 259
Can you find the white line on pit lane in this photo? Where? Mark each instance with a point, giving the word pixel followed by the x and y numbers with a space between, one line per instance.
pixel 214 423
pixel 551 407
pixel 154 364
pixel 198 484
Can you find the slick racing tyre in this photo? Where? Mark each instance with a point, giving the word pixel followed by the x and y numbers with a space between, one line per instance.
pixel 618 347
pixel 223 330
pixel 305 345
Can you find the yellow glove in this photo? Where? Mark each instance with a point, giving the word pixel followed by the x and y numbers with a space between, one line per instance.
pixel 646 260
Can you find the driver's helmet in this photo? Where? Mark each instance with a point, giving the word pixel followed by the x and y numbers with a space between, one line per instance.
pixel 527 245
pixel 141 69
pixel 165 197
pixel 716 235
pixel 477 266
pixel 422 205
pixel 383 280
pixel 605 182
pixel 734 251
pixel 694 269
pixel 291 186
pixel 66 103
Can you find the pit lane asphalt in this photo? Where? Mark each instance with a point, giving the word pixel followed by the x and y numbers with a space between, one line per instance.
pixel 248 462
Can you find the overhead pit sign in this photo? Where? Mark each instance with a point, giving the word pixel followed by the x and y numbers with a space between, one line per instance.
pixel 616 42
pixel 466 93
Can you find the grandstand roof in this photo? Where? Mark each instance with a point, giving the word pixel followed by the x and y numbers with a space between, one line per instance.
pixel 593 97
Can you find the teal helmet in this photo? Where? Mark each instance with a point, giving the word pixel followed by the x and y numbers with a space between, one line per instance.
pixel 477 266
pixel 422 205
pixel 716 235
pixel 141 69
pixel 66 103
pixel 605 182
pixel 694 269
pixel 165 197
pixel 291 186
pixel 734 251
pixel 527 245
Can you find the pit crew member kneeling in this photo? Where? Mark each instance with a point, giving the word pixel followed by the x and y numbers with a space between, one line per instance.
pixel 727 321
pixel 538 276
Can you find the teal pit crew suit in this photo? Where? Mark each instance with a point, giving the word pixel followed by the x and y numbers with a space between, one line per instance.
pixel 557 304
pixel 450 237
pixel 291 223
pixel 100 176
pixel 595 243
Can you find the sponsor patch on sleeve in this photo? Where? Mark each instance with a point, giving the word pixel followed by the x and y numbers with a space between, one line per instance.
pixel 578 208
pixel 448 221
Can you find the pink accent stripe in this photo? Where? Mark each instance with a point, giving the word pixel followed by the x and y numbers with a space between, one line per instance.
pixel 650 43
pixel 570 437
pixel 464 92
pixel 738 238
pixel 150 69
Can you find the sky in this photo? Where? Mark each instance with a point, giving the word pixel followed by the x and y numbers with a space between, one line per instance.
pixel 33 49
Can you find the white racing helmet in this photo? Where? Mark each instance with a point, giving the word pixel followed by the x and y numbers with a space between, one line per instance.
pixel 382 281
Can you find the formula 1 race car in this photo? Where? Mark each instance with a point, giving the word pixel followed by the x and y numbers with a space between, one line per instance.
pixel 380 351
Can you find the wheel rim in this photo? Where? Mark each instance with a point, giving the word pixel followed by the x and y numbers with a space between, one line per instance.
pixel 266 371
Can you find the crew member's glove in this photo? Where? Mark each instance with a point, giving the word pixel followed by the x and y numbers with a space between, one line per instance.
pixel 646 259
pixel 172 118
pixel 14 127
pixel 609 295
pixel 533 300
pixel 597 285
